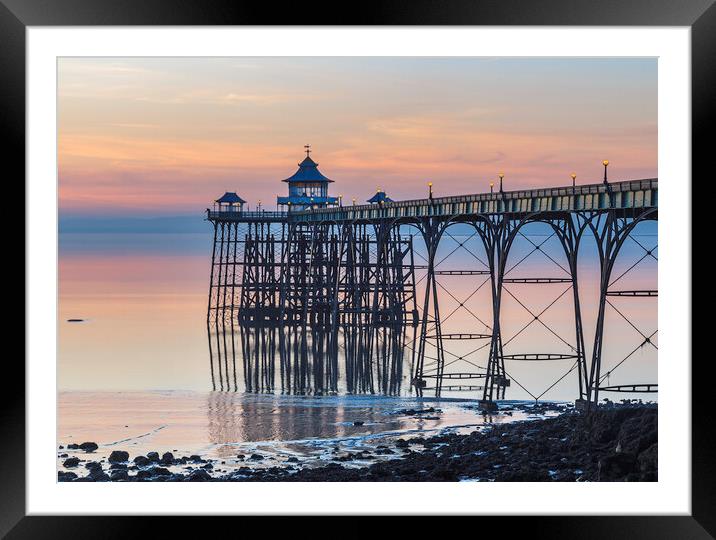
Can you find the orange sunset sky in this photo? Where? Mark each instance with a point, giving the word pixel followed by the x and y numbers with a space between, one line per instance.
pixel 166 136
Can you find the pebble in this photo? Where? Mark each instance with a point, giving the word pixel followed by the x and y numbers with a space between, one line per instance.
pixel 71 462
pixel 88 446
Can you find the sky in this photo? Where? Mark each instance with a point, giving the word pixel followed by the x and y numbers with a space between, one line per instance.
pixel 157 137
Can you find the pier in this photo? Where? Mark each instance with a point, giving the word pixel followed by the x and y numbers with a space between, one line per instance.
pixel 321 297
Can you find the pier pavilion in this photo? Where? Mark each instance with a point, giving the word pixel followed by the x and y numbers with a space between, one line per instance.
pixel 307 188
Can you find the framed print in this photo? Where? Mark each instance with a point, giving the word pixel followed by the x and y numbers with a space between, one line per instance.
pixel 406 266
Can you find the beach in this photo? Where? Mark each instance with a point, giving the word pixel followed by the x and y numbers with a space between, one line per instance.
pixel 367 439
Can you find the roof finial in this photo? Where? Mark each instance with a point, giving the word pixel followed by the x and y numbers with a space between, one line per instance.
pixel 308 150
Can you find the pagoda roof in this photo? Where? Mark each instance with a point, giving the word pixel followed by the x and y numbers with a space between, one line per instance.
pixel 379 197
pixel 230 197
pixel 308 172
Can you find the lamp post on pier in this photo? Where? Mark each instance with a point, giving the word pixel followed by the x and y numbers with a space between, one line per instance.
pixel 492 188
pixel 430 190
pixel 501 175
pixel 574 181
pixel 606 164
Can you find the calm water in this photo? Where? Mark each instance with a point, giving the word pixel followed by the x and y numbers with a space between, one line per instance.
pixel 220 425
pixel 143 298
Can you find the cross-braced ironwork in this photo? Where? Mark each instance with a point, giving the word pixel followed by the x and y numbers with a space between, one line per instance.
pixel 612 230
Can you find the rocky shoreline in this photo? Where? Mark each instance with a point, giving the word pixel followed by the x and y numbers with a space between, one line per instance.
pixel 615 443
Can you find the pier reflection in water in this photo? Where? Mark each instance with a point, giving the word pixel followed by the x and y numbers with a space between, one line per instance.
pixel 280 426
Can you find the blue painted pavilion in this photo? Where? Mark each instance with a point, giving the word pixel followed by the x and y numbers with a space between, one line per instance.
pixel 307 188
pixel 379 198
pixel 229 202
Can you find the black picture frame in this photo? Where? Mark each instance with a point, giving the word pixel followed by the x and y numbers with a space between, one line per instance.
pixel 699 15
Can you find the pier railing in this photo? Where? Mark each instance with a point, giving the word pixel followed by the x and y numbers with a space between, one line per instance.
pixel 245 216
pixel 615 195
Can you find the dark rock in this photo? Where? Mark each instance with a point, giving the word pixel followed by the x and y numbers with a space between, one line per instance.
pixel 71 462
pixel 358 423
pixel 64 476
pixel 99 476
pixel 240 456
pixel 153 456
pixel 256 457
pixel 292 459
pixel 444 474
pixel 648 464
pixel 63 455
pixel 616 466
pixel 402 443
pixel 88 446
pixel 525 475
pixel 62 447
pixel 167 458
pixel 118 467
pixel 93 465
pixel 143 475
pixel 142 461
pixel 119 476
pixel 84 479
pixel 196 459
pixel 416 412
pixel 73 446
pixel 208 466
pixel 638 433
pixel 159 471
pixel 199 475
pixel 118 456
